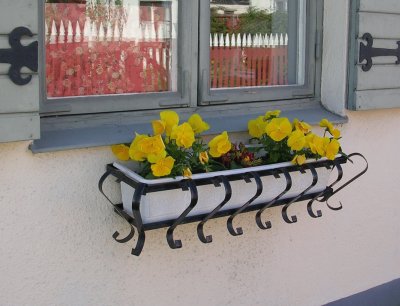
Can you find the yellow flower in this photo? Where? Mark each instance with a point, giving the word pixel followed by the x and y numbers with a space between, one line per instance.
pixel 299 159
pixel 121 151
pixel 309 139
pixel 257 127
pixel 197 124
pixel 296 140
pixel 153 148
pixel 301 126
pixel 183 135
pixel 329 126
pixel 326 124
pixel 170 119
pixel 163 166
pixel 203 158
pixel 279 128
pixel 187 172
pixel 272 114
pixel 220 145
pixel 135 152
pixel 335 133
pixel 318 145
pixel 332 149
pixel 158 127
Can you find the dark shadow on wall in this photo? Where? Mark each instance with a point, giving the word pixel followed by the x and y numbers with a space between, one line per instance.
pixel 384 295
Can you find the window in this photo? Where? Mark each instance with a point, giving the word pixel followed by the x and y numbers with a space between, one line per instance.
pixel 109 61
pixel 113 55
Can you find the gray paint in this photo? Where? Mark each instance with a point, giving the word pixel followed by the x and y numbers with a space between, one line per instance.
pixel 378 87
pixel 73 134
pixel 19 105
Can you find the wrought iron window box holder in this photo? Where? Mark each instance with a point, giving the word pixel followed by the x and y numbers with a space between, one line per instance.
pixel 284 172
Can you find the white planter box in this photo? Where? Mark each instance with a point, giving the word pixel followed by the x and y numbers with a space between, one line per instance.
pixel 169 204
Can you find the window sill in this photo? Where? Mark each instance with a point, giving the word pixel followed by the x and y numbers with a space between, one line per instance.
pixel 73 132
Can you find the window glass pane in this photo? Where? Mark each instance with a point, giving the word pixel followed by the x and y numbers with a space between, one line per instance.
pixel 97 47
pixel 257 43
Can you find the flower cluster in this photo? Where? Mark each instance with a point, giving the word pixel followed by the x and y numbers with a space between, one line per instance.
pixel 175 149
pixel 282 140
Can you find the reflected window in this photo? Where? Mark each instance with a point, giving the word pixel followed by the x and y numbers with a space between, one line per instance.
pixel 104 47
pixel 254 45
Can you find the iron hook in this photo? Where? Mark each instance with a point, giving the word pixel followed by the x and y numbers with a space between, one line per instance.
pixel 239 231
pixel 268 224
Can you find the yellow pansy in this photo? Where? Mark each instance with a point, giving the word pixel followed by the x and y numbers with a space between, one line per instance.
pixel 301 126
pixel 153 147
pixel 309 139
pixel 279 128
pixel 272 114
pixel 163 166
pixel 170 119
pixel 158 127
pixel 135 151
pixel 332 149
pixel 326 124
pixel 299 159
pixel 296 140
pixel 197 124
pixel 203 157
pixel 329 126
pixel 187 172
pixel 121 151
pixel 318 145
pixel 335 133
pixel 220 145
pixel 183 135
pixel 257 127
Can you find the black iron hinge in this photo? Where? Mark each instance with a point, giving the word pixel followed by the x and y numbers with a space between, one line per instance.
pixel 20 56
pixel 367 52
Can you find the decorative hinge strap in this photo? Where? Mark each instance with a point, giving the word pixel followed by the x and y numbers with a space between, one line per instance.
pixel 20 56
pixel 367 52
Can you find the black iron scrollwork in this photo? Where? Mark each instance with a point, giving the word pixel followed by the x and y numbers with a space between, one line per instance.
pixel 229 223
pixel 186 185
pixel 330 192
pixel 20 56
pixel 293 219
pixel 228 194
pixel 132 222
pixel 367 52
pixel 137 228
pixel 268 224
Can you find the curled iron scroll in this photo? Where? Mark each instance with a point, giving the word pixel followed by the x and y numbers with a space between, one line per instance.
pixel 136 214
pixel 239 231
pixel 267 224
pixel 228 194
pixel 186 184
pixel 330 192
pixel 293 219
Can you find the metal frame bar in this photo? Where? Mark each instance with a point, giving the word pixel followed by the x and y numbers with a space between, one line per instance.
pixel 135 221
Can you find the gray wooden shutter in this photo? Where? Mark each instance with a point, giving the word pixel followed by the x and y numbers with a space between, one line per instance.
pixel 378 87
pixel 19 105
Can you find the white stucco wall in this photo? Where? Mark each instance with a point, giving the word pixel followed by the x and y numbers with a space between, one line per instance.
pixel 56 245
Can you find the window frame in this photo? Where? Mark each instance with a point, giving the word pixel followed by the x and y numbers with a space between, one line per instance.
pixel 251 94
pixel 60 131
pixel 183 97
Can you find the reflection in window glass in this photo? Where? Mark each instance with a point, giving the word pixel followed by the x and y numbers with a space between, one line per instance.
pixel 254 43
pixel 97 47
